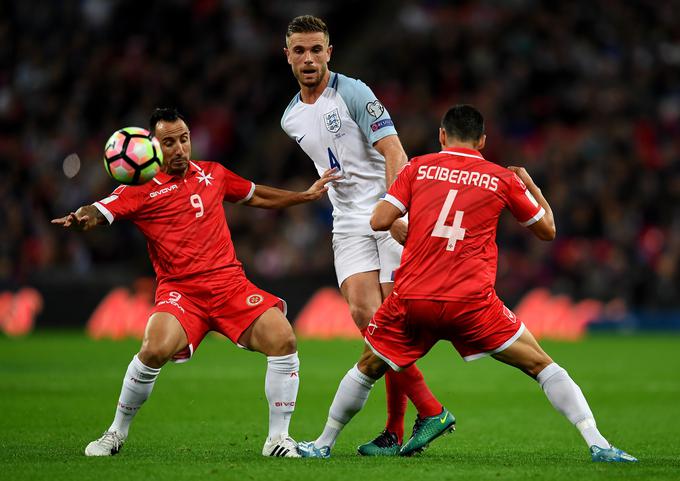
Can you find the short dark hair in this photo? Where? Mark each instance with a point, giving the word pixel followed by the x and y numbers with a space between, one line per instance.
pixel 307 24
pixel 169 114
pixel 463 122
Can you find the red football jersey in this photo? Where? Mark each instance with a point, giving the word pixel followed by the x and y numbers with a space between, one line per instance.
pixel 454 199
pixel 182 218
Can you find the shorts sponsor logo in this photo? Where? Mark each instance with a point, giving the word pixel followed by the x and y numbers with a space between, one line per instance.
pixel 375 108
pixel 164 190
pixel 254 300
pixel 372 326
pixel 332 120
pixel 381 123
pixel 510 315
pixel 279 404
pixel 173 300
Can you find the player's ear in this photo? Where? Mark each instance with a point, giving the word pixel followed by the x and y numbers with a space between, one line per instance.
pixel 482 142
pixel 330 51
pixel 442 137
pixel 286 52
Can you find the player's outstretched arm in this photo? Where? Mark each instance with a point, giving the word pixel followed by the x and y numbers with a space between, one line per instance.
pixel 544 228
pixel 85 218
pixel 267 197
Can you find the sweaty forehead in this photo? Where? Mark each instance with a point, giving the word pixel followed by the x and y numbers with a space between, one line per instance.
pixel 166 129
pixel 308 39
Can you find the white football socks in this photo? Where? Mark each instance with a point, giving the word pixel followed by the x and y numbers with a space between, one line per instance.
pixel 565 396
pixel 281 388
pixel 350 397
pixel 137 386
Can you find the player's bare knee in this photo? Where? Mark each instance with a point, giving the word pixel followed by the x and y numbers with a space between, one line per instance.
pixel 287 345
pixel 280 344
pixel 155 355
pixel 537 364
pixel 361 314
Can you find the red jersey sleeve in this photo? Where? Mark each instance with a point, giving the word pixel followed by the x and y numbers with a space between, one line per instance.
pixel 399 194
pixel 235 188
pixel 522 204
pixel 123 203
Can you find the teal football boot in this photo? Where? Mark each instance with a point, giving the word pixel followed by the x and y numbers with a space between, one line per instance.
pixel 385 444
pixel 307 449
pixel 427 430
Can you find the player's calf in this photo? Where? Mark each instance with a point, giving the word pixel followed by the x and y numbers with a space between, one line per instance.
pixel 137 386
pixel 371 365
pixel 281 385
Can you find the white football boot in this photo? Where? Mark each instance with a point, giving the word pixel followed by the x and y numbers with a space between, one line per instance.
pixel 108 445
pixel 282 447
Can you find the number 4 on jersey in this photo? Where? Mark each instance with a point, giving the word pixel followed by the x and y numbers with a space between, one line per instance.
pixel 333 161
pixel 453 232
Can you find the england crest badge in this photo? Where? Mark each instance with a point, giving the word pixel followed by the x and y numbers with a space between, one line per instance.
pixel 332 121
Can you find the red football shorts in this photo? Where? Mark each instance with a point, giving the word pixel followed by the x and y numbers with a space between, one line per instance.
pixel 224 301
pixel 404 330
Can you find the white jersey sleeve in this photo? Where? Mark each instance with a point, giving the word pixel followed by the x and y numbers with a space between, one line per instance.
pixel 366 110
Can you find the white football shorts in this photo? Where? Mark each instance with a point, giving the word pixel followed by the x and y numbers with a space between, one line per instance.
pixel 356 253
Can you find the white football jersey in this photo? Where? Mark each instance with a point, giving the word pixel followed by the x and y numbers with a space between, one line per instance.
pixel 339 130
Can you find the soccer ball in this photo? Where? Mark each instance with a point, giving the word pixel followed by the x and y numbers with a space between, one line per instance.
pixel 132 156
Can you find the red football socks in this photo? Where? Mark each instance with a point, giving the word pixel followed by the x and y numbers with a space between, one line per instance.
pixel 408 383
pixel 396 404
pixel 413 384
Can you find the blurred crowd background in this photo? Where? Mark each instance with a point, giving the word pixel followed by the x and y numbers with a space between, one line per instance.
pixel 585 95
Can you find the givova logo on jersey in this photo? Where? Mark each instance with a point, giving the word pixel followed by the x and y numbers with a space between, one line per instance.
pixel 164 190
pixel 332 121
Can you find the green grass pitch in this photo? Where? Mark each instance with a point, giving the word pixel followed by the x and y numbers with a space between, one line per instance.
pixel 206 420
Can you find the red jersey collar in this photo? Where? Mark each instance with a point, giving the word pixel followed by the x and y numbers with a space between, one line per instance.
pixel 463 152
pixel 164 178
